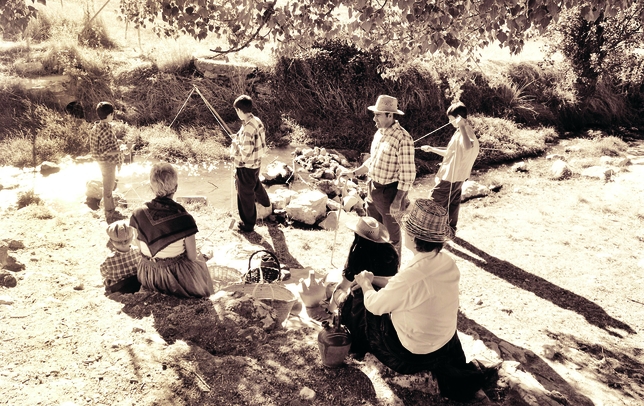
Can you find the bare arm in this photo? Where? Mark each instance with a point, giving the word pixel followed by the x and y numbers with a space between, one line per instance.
pixel 436 150
pixel 191 247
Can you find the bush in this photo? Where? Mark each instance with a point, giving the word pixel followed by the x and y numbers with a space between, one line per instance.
pixel 502 140
pixel 28 198
pixel 191 145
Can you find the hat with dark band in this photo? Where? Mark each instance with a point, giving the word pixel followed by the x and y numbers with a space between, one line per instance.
pixel 369 228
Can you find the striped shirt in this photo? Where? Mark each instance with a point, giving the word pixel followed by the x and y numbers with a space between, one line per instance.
pixel 103 145
pixel 120 265
pixel 249 144
pixel 392 157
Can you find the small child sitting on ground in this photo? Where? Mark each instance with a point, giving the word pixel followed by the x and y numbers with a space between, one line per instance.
pixel 120 267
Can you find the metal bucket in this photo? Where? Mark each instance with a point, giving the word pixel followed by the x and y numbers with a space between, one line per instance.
pixel 334 345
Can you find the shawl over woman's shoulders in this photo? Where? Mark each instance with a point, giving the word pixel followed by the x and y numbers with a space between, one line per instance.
pixel 161 222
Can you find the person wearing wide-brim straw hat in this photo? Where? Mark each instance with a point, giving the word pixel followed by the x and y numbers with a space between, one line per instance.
pixel 410 323
pixel 371 251
pixel 390 167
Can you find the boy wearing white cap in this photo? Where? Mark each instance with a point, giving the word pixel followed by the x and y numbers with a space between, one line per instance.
pixel 120 267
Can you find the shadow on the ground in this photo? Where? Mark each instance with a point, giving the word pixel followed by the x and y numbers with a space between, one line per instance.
pixel 218 361
pixel 544 289
pixel 538 368
pixel 281 248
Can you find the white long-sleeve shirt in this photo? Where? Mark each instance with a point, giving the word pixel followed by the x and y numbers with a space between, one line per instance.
pixel 422 300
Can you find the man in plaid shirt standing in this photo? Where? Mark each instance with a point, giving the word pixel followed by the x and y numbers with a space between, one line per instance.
pixel 247 149
pixel 390 167
pixel 106 151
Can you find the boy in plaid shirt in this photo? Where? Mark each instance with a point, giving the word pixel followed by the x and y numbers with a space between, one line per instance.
pixel 120 267
pixel 247 149
pixel 105 150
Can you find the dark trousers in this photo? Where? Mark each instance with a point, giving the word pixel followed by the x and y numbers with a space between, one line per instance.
pixel 249 191
pixel 456 378
pixel 448 195
pixel 379 200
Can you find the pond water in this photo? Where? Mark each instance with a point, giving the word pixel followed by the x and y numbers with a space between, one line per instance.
pixel 214 181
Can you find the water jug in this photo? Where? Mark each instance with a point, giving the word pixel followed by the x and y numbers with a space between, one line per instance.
pixel 334 342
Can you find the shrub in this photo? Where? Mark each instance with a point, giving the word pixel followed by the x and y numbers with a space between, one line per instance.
pixel 28 198
pixel 191 145
pixel 502 140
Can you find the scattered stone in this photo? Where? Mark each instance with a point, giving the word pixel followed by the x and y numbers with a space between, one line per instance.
pixel 280 198
pixel 94 189
pixel 307 394
pixel 520 167
pixel 6 300
pixel 495 187
pixel 573 148
pixel 7 261
pixel 598 172
pixel 277 173
pixel 80 286
pixel 47 168
pixel 7 279
pixel 330 222
pixel 560 170
pixel 333 205
pixel 553 157
pixel 615 161
pixel 329 187
pixel 472 189
pixel 307 207
pixel 14 244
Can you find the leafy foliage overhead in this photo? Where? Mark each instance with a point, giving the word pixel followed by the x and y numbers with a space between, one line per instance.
pixel 15 14
pixel 408 27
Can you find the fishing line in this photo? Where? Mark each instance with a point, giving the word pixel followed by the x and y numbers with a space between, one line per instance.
pixel 439 128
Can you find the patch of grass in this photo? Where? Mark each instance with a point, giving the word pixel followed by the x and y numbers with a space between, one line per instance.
pixel 502 140
pixel 40 212
pixel 600 145
pixel 193 144
pixel 28 198
pixel 47 136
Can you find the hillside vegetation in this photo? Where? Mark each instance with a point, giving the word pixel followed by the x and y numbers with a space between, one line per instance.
pixel 317 96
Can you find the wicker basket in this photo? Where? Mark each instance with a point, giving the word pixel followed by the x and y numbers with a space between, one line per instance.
pixel 223 276
pixel 274 295
pixel 269 269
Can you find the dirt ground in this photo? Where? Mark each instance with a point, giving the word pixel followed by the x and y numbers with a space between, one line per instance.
pixel 552 268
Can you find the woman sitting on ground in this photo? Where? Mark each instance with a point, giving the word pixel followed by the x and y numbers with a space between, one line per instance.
pixel 410 323
pixel 370 251
pixel 166 238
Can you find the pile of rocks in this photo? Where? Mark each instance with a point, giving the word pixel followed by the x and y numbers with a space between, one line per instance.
pixel 328 193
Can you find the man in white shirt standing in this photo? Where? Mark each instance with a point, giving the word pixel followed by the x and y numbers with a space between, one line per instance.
pixel 458 159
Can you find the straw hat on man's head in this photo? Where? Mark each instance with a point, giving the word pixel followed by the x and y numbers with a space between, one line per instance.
pixel 427 221
pixel 120 234
pixel 369 228
pixel 386 104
